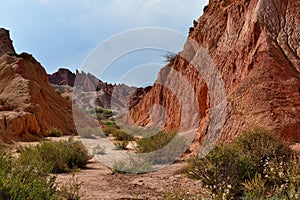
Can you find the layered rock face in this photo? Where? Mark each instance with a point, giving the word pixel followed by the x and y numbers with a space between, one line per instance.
pixel 28 105
pixel 255 46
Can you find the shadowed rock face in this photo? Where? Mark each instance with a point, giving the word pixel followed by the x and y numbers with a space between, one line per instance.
pixel 5 43
pixel 255 46
pixel 28 105
pixel 62 77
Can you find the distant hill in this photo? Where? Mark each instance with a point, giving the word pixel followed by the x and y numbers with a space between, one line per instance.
pixel 106 94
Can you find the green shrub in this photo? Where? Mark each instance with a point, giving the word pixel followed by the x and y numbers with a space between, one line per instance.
pixel 62 156
pixel 103 113
pixel 109 130
pixel 255 188
pixel 122 136
pixel 135 130
pixel 71 189
pixel 117 133
pixel 121 144
pixel 222 171
pixel 256 164
pixel 27 177
pixel 54 132
pixel 18 181
pixel 168 154
pixel 108 123
pixel 260 144
pixel 279 180
pixel 134 164
pixel 165 146
pixel 155 142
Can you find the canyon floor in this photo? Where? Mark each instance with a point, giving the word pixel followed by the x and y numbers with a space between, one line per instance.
pixel 99 182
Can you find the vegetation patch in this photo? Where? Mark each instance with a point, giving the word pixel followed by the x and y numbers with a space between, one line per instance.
pixel 155 142
pixel 121 144
pixel 109 130
pixel 60 157
pixel 120 135
pixel 20 181
pixel 103 113
pixel 257 165
pixel 117 133
pixel 109 123
pixel 164 146
pixel 71 189
pixel 54 132
pixel 27 177
pixel 137 164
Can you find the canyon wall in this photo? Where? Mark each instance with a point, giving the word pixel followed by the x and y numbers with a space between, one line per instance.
pixel 255 47
pixel 28 105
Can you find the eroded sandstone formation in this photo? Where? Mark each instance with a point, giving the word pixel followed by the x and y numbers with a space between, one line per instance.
pixel 62 77
pixel 94 92
pixel 6 46
pixel 255 45
pixel 28 105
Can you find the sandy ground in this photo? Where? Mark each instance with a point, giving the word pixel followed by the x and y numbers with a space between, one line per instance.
pixel 98 182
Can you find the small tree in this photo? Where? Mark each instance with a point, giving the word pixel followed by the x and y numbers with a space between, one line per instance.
pixel 170 57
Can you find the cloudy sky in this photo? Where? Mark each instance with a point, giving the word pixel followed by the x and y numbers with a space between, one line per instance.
pixel 62 33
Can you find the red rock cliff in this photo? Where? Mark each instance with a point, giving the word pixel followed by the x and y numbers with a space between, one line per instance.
pixel 255 45
pixel 62 77
pixel 28 105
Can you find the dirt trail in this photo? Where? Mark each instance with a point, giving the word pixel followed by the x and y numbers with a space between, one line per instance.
pixel 98 182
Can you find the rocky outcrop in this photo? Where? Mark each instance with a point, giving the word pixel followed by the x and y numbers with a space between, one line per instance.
pixel 28 105
pixel 138 95
pixel 6 46
pixel 62 77
pixel 255 46
pixel 94 92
